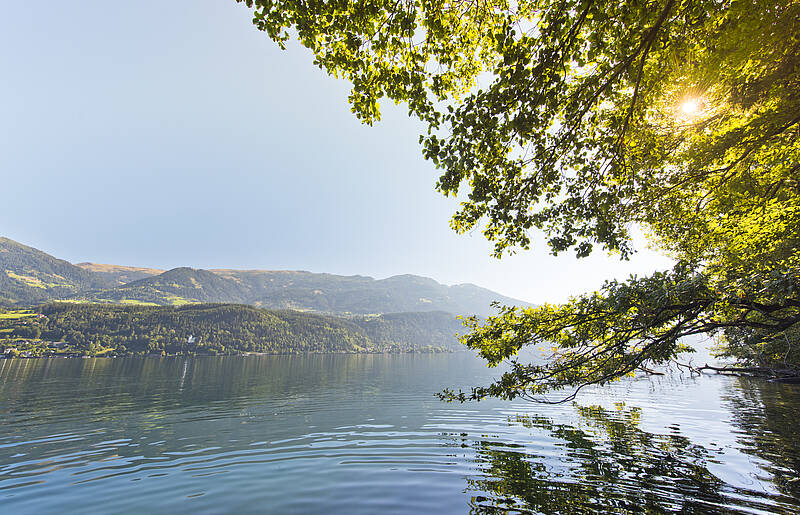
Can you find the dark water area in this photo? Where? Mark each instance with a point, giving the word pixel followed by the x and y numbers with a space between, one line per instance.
pixel 364 434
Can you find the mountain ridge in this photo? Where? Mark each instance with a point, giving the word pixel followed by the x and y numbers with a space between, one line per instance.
pixel 272 289
pixel 120 273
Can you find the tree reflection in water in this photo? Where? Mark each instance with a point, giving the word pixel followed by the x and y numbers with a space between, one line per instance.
pixel 766 414
pixel 609 465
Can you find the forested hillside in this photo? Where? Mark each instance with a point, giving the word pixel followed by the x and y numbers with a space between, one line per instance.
pixel 70 328
pixel 435 328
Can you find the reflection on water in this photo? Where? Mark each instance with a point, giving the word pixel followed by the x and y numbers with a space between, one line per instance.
pixel 767 420
pixel 608 465
pixel 363 433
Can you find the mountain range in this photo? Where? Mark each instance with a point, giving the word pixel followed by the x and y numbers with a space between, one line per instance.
pixel 29 276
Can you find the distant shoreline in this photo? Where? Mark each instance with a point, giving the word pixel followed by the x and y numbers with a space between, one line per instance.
pixel 240 355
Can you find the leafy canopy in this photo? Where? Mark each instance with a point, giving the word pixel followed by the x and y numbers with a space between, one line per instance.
pixel 580 119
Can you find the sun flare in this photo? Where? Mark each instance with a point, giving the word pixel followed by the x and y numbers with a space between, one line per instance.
pixel 690 107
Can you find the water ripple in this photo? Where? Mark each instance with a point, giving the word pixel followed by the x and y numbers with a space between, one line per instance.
pixel 302 435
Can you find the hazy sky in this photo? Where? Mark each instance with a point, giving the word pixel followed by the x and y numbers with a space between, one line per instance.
pixel 172 133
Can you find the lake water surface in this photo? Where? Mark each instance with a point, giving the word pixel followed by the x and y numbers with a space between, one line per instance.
pixel 364 434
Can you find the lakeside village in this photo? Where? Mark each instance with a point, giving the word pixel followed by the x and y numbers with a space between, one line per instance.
pixel 17 330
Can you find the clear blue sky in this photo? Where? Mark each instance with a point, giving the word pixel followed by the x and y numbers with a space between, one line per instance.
pixel 172 133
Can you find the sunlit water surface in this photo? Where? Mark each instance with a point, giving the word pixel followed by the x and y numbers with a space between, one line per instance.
pixel 365 434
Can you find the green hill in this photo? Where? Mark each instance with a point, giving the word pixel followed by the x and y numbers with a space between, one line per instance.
pixel 29 276
pixel 175 287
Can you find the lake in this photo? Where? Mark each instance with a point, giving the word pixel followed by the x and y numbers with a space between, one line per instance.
pixel 365 434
